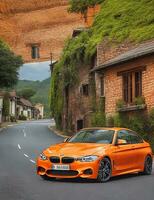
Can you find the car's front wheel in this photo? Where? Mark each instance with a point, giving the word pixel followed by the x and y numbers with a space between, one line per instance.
pixel 104 171
pixel 148 166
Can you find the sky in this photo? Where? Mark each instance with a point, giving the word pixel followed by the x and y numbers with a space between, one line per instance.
pixel 35 71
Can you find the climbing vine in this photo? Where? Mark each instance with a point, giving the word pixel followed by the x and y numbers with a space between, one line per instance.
pixel 117 21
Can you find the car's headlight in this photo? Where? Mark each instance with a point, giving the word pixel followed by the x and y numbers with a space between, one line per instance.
pixel 87 158
pixel 43 157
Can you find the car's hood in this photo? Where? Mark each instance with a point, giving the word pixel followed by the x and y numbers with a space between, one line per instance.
pixel 76 149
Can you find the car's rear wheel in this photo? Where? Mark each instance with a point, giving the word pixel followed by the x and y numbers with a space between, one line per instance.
pixel 148 166
pixel 104 171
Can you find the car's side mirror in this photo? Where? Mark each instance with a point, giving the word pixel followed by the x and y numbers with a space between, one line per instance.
pixel 121 142
pixel 66 139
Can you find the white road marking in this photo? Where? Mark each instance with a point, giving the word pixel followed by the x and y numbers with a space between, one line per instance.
pixel 32 161
pixel 24 133
pixel 19 147
pixel 26 155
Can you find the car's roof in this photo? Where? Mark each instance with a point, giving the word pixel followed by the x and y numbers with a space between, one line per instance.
pixel 106 128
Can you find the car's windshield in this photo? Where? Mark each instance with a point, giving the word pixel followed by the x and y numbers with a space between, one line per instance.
pixel 93 136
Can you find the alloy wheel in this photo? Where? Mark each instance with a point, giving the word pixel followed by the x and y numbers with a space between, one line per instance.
pixel 148 165
pixel 105 169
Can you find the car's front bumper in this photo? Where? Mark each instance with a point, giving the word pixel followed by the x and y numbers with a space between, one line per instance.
pixel 77 169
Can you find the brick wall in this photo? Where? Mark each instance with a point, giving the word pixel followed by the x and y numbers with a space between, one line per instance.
pixel 113 83
pixel 107 51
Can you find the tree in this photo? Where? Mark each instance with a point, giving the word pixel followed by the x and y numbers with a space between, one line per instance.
pixel 9 66
pixel 27 93
pixel 81 6
pixel 6 105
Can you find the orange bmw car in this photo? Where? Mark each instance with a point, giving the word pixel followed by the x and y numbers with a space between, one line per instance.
pixel 96 153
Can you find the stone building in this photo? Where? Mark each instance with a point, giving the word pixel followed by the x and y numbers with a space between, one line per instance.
pixel 121 75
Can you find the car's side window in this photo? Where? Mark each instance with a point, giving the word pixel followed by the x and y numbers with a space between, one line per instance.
pixel 135 139
pixel 124 136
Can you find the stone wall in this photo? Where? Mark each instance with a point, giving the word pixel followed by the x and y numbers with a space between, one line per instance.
pixel 80 105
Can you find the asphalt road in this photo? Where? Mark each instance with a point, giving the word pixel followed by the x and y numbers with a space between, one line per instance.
pixel 19 147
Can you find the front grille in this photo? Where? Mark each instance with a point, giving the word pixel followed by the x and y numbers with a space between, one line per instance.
pixel 67 160
pixel 62 172
pixel 55 159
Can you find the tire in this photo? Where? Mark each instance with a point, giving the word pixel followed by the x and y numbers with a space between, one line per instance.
pixel 147 166
pixel 104 171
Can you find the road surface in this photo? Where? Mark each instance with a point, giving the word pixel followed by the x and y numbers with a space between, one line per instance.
pixel 19 147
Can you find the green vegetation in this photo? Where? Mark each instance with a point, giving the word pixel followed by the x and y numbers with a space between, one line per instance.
pixel 98 119
pixel 42 92
pixel 9 66
pixel 22 117
pixel 6 106
pixel 26 93
pixel 81 6
pixel 139 100
pixel 120 103
pixel 118 21
pixel 140 122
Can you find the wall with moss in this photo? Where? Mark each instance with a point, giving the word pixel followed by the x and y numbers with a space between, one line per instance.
pixel 117 22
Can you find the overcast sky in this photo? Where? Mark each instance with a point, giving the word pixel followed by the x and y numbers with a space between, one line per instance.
pixel 35 71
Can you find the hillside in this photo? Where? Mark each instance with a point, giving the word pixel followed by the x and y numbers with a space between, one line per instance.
pixel 42 94
pixel 44 22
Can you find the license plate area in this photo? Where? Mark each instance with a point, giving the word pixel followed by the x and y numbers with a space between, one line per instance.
pixel 60 167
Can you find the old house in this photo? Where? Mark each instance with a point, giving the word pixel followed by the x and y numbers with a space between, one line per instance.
pixel 77 99
pixel 12 105
pixel 121 78
pixel 40 108
pixel 25 108
pixel 124 76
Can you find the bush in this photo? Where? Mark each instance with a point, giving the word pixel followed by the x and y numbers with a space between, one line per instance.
pixel 120 103
pixel 110 121
pixel 98 119
pixel 22 117
pixel 143 124
pixel 13 119
pixel 139 100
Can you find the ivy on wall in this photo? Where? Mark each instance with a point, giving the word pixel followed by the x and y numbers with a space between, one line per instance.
pixel 118 21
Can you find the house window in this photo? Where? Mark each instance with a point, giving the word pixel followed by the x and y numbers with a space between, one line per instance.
pixel 102 93
pixel 85 90
pixel 132 86
pixel 35 51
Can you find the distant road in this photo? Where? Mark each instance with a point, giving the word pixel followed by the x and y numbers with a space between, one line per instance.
pixel 19 147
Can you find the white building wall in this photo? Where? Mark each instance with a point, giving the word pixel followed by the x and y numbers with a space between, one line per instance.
pixel 12 108
pixel 1 106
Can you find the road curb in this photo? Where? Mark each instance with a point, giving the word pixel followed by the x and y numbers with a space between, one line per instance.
pixel 56 132
pixel 10 125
